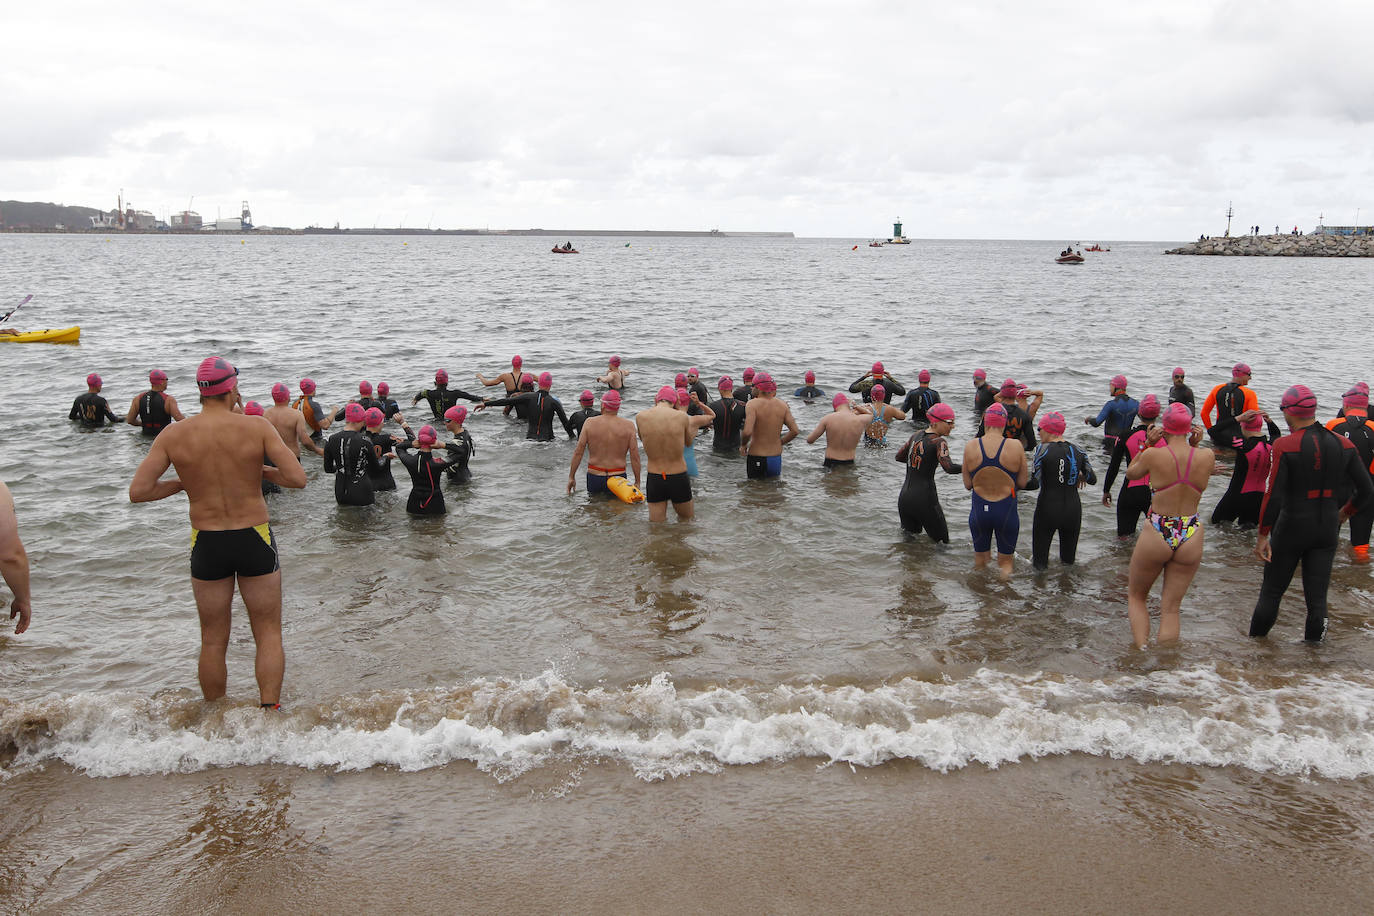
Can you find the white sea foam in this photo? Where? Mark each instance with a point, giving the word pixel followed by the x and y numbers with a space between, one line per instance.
pixel 1316 725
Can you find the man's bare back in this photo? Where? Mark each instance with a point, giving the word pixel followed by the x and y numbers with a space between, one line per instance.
pixel 665 432
pixel 764 417
pixel 607 439
pixel 842 430
pixel 291 426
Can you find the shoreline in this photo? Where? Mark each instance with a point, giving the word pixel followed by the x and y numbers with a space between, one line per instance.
pixel 1282 246
pixel 316 230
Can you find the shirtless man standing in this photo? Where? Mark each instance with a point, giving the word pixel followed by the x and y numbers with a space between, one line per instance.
pixel 994 477
pixel 762 439
pixel 606 438
pixel 14 562
pixel 221 458
pixel 843 428
pixel 665 432
pixel 290 422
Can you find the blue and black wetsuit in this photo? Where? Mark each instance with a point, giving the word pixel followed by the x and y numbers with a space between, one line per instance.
pixel 426 474
pixel 1058 466
pixel 728 424
pixel 918 505
pixel 918 401
pixel 539 409
pixel 365 403
pixel 92 410
pixel 1115 418
pixel 350 457
pixel 808 393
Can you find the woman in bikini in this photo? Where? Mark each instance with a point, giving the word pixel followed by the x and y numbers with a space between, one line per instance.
pixel 1171 540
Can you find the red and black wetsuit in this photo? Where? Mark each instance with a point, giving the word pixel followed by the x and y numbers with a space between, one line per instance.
pixel 1312 469
pixel 918 505
pixel 1356 427
pixel 728 424
pixel 539 409
pixel 152 412
pixel 1254 457
pixel 426 474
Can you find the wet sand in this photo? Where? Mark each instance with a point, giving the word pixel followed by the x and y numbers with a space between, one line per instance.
pixel 1072 833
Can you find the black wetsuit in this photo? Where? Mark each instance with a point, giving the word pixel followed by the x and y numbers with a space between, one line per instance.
pixel 1019 426
pixel 152 412
pixel 1058 466
pixel 364 403
pixel 1312 468
pixel 442 397
pixel 579 417
pixel 701 391
pixel 460 450
pixel 1357 431
pixel 983 396
pixel 1182 394
pixel 918 505
pixel 92 410
pixel 1133 501
pixel 728 424
pixel 349 456
pixel 388 405
pixel 1237 504
pixel 808 393
pixel 382 443
pixel 918 401
pixel 540 408
pixel 426 474
pixel 743 393
pixel 864 386
pixel 1230 403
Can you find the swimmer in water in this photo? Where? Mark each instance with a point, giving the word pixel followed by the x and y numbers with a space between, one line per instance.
pixel 842 428
pixel 665 431
pixel 762 439
pixel 994 480
pixel 426 473
pixel 364 399
pixel 745 390
pixel 510 378
pixel 584 411
pixel 90 408
pixel 1180 393
pixel 918 504
pixel 1171 542
pixel 540 408
pixel 696 387
pixel 873 378
pixel 703 417
pixel 1019 425
pixel 1354 425
pixel 1134 499
pixel 614 378
pixel 883 416
pixel 808 392
pixel 983 393
pixel 153 410
pixel 441 397
pixel 350 457
pixel 382 445
pixel 728 423
pixel 1254 447
pixel 1117 415
pixel 290 423
pixel 461 447
pixel 384 400
pixel 316 417
pixel 254 409
pixel 1062 469
pixel 608 439
pixel 920 399
pixel 1231 399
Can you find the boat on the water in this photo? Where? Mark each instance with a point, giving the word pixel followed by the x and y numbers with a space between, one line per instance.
pixel 1069 259
pixel 875 244
pixel 1096 247
pixel 557 250
pixel 46 335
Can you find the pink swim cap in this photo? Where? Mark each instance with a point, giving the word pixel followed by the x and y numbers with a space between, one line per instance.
pixel 726 383
pixel 456 414
pixel 383 389
pixel 1239 369
pixel 526 379
pixel 216 375
pixel 1299 401
pixel 679 381
pixel 441 376
pixel 1052 423
pixel 693 371
pixel 252 409
pixel 764 382
pixel 365 388
pixel 307 386
pixel 980 375
pixel 427 435
pixel 1355 398
pixel 610 400
pixel 1178 420
pixel 93 380
pixel 615 360
pixel 280 393
pixel 1008 389
pixel 586 397
pixel 1363 386
pixel 923 375
pixel 748 374
pixel 516 360
pixel 157 376
pixel 838 399
pixel 1119 381
pixel 666 393
pixel 877 368
pixel 1178 370
pixel 996 415
pixel 684 397
pixel 1149 407
pixel 374 417
pixel 545 379
pixel 878 393
pixel 809 377
pixel 355 413
pixel 941 413
pixel 1255 422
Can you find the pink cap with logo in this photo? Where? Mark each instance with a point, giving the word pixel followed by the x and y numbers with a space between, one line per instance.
pixel 307 386
pixel 764 382
pixel 441 376
pixel 1119 381
pixel 1355 397
pixel 680 380
pixel 610 400
pixel 996 415
pixel 980 375
pixel 1178 420
pixel 666 393
pixel 374 418
pixel 878 393
pixel 586 397
pixel 216 375
pixel 810 376
pixel 684 397
pixel 456 414
pixel 940 413
pixel 1299 401
pixel 726 383
pixel 748 374
pixel 526 379
pixel 877 368
pixel 94 381
pixel 516 361
pixel 1253 423
pixel 1149 407
pixel 157 376
pixel 545 379
pixel 280 393
pixel 365 388
pixel 1239 369
pixel 355 413
pixel 1008 388
pixel 923 375
pixel 614 360
pixel 383 389
pixel 1052 423
pixel 427 435
pixel 839 399
pixel 252 409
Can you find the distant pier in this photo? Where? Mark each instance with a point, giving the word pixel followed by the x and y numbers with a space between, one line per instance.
pixel 1286 245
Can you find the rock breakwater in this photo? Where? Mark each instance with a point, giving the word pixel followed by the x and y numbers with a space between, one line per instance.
pixel 1284 246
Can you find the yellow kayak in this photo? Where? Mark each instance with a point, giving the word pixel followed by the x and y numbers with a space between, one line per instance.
pixel 47 335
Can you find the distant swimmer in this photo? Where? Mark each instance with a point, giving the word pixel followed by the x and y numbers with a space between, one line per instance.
pixel 1317 481
pixel 1171 541
pixel 385 401
pixel 350 457
pixel 1230 399
pixel 983 393
pixel 994 479
pixel 614 378
pixel 540 409
pixel 1117 415
pixel 918 504
pixel 1355 426
pixel 1134 499
pixel 884 414
pixel 698 388
pixel 426 474
pixel 290 423
pixel 874 377
pixel 254 409
pixel 1254 447
pixel 609 441
pixel 584 411
pixel 745 390
pixel 90 408
pixel 665 431
pixel 316 417
pixel 1062 469
pixel 221 458
pixel 461 448
pixel 441 397
pixel 728 422
pixel 762 440
pixel 510 378
pixel 364 399
pixel 808 392
pixel 1180 393
pixel 920 399
pixel 842 428
pixel 153 410
pixel 14 563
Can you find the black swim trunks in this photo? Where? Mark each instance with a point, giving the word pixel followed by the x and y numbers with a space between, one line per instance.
pixel 837 462
pixel 659 488
pixel 240 552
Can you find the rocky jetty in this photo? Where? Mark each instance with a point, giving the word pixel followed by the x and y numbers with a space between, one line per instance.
pixel 1284 246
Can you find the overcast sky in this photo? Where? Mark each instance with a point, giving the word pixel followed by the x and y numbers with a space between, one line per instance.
pixel 969 120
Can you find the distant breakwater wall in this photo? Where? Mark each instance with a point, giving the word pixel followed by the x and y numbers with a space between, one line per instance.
pixel 1284 246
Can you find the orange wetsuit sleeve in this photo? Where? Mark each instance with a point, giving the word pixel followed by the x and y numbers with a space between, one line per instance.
pixel 1251 399
pixel 1208 406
